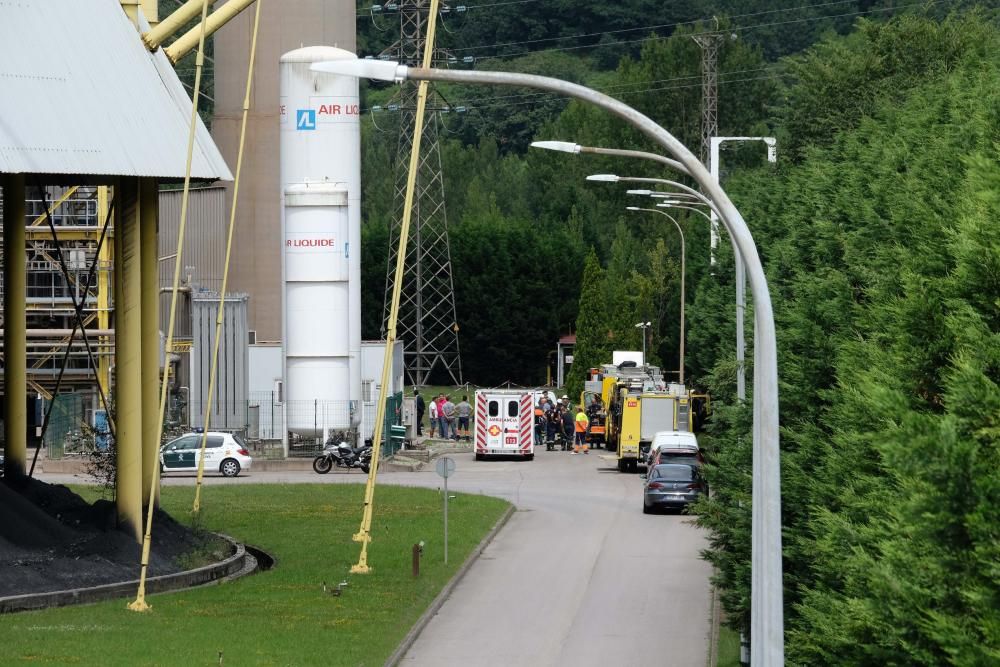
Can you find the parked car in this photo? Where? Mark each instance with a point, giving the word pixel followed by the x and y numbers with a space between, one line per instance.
pixel 672 485
pixel 675 456
pixel 224 452
pixel 680 442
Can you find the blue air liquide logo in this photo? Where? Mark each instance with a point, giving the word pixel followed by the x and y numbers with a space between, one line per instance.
pixel 305 119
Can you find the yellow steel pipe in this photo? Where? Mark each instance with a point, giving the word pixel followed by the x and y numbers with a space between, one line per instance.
pixel 189 40
pixel 131 8
pixel 103 291
pixel 140 604
pixel 171 24
pixel 149 267
pixel 196 507
pixel 128 378
pixel 364 533
pixel 151 10
pixel 15 377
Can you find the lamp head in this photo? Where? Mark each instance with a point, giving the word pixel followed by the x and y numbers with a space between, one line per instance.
pixel 632 208
pixel 641 193
pixel 561 146
pixel 604 178
pixel 379 70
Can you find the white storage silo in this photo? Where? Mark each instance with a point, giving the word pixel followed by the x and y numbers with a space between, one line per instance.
pixel 320 158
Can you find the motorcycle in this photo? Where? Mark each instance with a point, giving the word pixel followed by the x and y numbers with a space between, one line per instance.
pixel 342 455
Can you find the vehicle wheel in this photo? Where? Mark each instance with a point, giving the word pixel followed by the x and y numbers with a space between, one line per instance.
pixel 646 509
pixel 529 457
pixel 365 468
pixel 479 457
pixel 230 468
pixel 322 465
pixel 633 465
pixel 622 466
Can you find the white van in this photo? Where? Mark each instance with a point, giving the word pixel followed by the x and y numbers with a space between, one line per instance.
pixel 504 423
pixel 679 441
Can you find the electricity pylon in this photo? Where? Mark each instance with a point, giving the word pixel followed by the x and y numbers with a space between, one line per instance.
pixel 427 323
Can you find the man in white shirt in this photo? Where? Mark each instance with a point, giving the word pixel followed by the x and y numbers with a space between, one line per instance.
pixel 432 410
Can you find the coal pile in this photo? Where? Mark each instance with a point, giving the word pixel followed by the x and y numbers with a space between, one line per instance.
pixel 51 540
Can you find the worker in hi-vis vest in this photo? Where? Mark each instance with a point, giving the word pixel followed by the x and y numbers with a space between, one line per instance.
pixel 581 432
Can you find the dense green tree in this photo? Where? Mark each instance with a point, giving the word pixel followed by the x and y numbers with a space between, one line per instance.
pixel 884 282
pixel 593 337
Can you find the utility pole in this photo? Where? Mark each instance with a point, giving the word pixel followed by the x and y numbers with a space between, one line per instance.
pixel 427 323
pixel 741 343
pixel 709 43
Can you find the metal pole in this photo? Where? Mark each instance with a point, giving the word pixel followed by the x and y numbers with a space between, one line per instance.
pixel 195 36
pixel 364 532
pixel 741 341
pixel 128 365
pixel 15 324
pixel 713 168
pixel 149 267
pixel 680 231
pixel 104 256
pixel 446 520
pixel 568 147
pixel 767 621
pixel 740 271
pixel 171 24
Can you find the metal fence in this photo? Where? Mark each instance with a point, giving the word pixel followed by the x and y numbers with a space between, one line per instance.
pixel 262 419
pixel 64 434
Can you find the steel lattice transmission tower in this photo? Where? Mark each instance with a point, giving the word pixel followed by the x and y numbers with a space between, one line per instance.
pixel 427 322
pixel 709 43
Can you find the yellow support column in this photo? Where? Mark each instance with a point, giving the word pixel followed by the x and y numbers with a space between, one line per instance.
pixel 150 309
pixel 15 376
pixel 151 10
pixel 104 293
pixel 128 377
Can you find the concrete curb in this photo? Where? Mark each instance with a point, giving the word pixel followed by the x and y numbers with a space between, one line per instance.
pixel 445 593
pixel 713 638
pixel 208 574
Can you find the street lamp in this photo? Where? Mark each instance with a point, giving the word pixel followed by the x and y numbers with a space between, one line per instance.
pixel 680 365
pixel 569 147
pixel 767 623
pixel 741 344
pixel 643 326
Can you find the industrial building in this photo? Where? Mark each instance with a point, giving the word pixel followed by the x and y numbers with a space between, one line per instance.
pixel 252 395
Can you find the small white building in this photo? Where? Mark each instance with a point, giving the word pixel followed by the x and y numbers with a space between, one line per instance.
pixel 267 390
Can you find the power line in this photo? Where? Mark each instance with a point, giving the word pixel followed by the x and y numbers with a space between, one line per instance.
pixel 548 97
pixel 650 27
pixel 732 29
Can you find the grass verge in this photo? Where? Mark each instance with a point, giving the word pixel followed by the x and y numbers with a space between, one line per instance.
pixel 729 648
pixel 280 617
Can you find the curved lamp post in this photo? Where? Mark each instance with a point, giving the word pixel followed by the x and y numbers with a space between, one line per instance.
pixel 680 364
pixel 569 147
pixel 767 623
pixel 741 260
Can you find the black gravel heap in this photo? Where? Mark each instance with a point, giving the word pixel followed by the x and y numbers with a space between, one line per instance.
pixel 51 539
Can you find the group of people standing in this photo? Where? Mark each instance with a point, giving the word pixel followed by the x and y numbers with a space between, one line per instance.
pixel 449 420
pixel 554 418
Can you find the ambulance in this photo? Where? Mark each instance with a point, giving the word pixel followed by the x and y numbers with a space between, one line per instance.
pixel 504 423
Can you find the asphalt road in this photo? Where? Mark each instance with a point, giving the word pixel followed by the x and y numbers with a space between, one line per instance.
pixel 578 576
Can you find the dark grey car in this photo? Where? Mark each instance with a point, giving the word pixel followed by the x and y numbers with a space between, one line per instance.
pixel 672 485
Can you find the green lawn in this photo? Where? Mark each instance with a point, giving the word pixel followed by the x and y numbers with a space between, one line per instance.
pixel 729 648
pixel 280 617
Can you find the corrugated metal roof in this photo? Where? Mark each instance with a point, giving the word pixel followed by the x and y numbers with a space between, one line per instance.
pixel 80 94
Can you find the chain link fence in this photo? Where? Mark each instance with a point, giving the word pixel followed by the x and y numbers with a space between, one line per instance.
pixel 262 420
